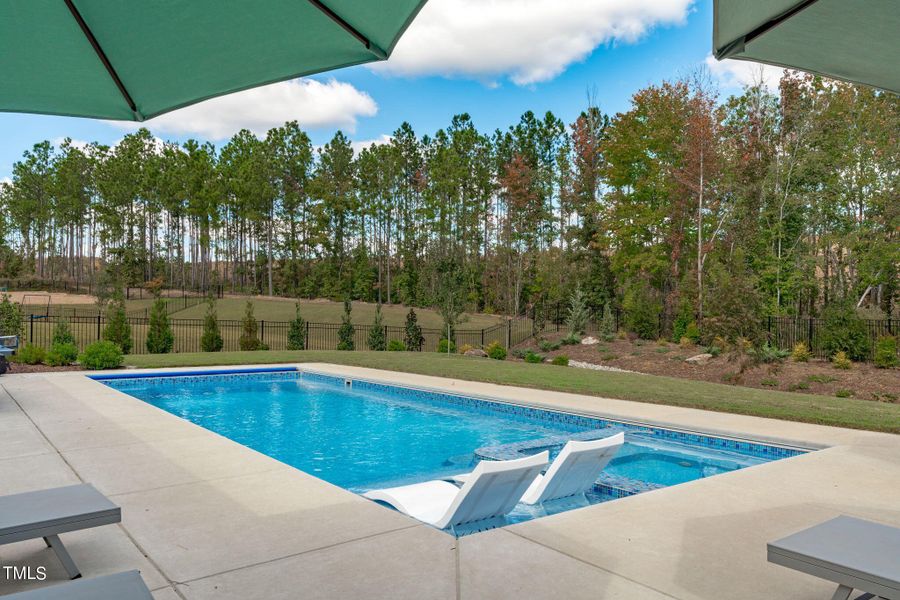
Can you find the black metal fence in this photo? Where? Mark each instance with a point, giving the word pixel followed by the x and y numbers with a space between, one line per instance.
pixel 785 332
pixel 274 334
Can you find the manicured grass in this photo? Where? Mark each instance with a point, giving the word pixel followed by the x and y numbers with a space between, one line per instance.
pixel 323 311
pixel 825 410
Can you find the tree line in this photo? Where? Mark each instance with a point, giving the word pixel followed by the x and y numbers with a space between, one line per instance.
pixel 689 205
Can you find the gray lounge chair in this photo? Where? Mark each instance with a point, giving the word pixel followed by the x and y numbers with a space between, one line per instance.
pixel 851 552
pixel 121 586
pixel 48 513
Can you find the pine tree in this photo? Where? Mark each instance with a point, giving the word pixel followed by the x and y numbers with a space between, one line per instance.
pixel 345 333
pixel 577 318
pixel 118 330
pixel 211 340
pixel 376 332
pixel 297 332
pixel 249 340
pixel 413 336
pixel 608 323
pixel 160 338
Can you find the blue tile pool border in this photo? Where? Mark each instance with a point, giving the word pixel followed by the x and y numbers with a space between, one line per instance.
pixel 144 375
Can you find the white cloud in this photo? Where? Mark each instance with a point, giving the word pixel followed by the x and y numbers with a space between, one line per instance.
pixel 312 103
pixel 80 144
pixel 529 41
pixel 741 73
pixel 360 145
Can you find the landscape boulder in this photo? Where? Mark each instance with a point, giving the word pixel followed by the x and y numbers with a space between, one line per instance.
pixel 589 341
pixel 699 359
pixel 476 352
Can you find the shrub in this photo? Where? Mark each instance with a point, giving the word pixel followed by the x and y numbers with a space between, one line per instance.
pixel 520 352
pixel 444 348
pixel 845 332
pixel 571 339
pixel 296 339
pixel 886 352
pixel 578 314
pixel 465 348
pixel 609 356
pixel 413 338
pixel 31 354
pixel 642 310
pixel 62 333
pixel 692 332
pixel 733 303
pixel 844 393
pixel 211 339
pixel 249 340
pixel 798 386
pixel 770 354
pixel 117 329
pixel 769 382
pixel 160 339
pixel 562 360
pixel 377 340
pixel 713 350
pixel 685 342
pixel 841 361
pixel 679 327
pixel 346 330
pixel 396 346
pixel 533 357
pixel 11 320
pixel 548 346
pixel 496 351
pixel 607 324
pixel 821 378
pixel 801 352
pixel 101 355
pixel 61 355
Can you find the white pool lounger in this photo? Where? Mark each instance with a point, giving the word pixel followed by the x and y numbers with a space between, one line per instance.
pixel 121 586
pixel 48 513
pixel 573 472
pixel 851 552
pixel 492 490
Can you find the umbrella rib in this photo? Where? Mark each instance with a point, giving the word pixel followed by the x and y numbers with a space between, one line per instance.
pixel 738 45
pixel 103 58
pixel 374 49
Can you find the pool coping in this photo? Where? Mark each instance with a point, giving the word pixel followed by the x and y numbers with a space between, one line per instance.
pixel 857 472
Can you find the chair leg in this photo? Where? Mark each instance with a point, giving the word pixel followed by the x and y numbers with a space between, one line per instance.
pixel 62 554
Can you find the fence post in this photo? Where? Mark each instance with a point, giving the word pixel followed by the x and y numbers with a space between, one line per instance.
pixel 810 334
pixel 306 337
pixel 557 316
pixel 508 333
pixel 31 332
pixel 262 331
pixel 98 325
pixel 482 337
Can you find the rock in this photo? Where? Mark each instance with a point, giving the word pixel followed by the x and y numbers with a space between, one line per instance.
pixel 589 341
pixel 699 359
pixel 476 352
pixel 586 365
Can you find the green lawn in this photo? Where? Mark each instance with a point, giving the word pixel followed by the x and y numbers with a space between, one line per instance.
pixel 323 311
pixel 825 410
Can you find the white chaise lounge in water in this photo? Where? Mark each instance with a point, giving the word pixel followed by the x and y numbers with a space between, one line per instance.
pixel 573 472
pixel 492 490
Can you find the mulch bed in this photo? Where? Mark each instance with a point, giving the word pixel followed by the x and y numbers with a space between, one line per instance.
pixel 863 380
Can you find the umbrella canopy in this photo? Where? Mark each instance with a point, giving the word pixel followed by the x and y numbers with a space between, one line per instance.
pixel 854 40
pixel 136 60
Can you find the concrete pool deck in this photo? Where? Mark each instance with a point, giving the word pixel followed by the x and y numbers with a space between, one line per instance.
pixel 204 517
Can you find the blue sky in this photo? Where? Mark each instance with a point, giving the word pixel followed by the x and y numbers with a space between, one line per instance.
pixel 491 63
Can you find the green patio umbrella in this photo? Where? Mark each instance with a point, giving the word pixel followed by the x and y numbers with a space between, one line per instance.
pixel 129 60
pixel 853 40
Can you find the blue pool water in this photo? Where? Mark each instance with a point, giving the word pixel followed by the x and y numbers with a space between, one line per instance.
pixel 372 435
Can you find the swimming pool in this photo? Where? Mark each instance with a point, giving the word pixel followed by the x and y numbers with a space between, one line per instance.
pixel 363 435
